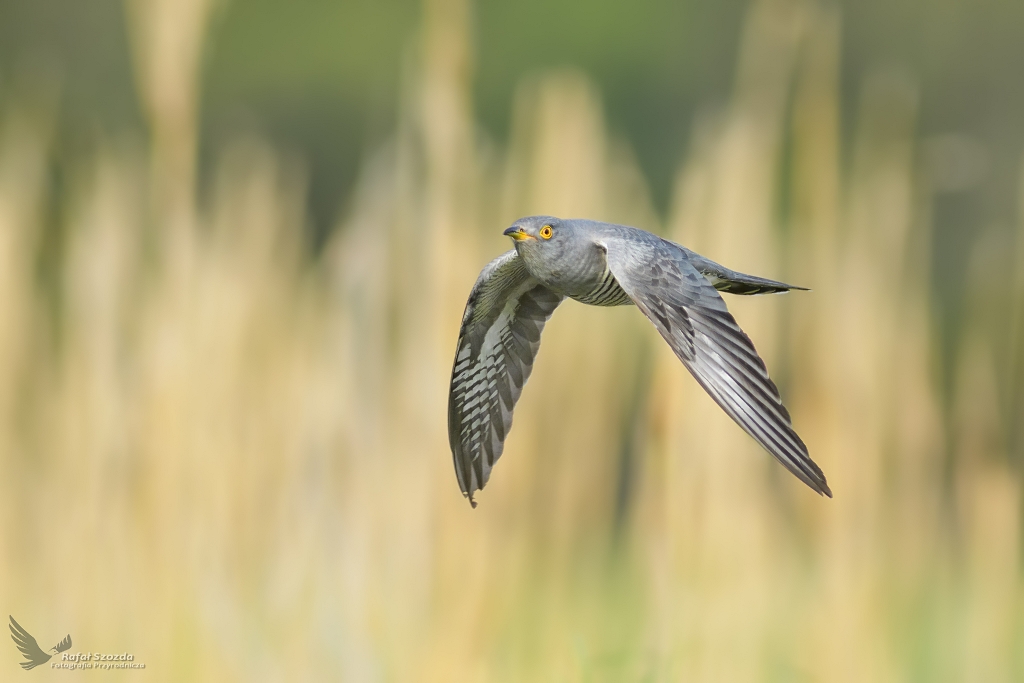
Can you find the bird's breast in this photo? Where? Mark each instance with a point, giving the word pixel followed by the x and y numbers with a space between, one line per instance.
pixel 602 291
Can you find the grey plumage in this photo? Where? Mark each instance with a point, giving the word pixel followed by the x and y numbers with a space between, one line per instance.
pixel 500 335
pixel 607 265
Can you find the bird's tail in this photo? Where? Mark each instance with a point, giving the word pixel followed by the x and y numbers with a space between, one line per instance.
pixel 750 284
pixel 732 282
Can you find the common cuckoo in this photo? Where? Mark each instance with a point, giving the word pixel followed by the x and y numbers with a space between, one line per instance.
pixel 607 265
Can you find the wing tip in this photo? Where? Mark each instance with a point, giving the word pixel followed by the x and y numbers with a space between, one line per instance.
pixel 816 484
pixel 814 478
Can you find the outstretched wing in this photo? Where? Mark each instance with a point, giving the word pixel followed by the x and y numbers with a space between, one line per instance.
pixel 28 646
pixel 498 341
pixel 64 644
pixel 692 317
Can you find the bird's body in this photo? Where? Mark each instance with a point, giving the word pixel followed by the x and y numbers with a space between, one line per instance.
pixel 607 265
pixel 579 271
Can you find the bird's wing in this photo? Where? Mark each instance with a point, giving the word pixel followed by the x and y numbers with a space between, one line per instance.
pixel 498 341
pixel 64 644
pixel 28 646
pixel 692 317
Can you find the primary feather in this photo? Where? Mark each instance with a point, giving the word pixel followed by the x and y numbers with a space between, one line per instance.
pixel 500 335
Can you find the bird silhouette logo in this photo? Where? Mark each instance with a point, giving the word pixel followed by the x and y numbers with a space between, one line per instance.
pixel 30 648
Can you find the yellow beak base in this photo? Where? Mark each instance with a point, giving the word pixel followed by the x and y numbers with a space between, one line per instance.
pixel 518 234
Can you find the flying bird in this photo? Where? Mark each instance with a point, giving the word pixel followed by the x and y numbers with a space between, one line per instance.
pixel 30 648
pixel 602 264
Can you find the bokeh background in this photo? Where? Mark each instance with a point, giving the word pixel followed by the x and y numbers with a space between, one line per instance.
pixel 236 238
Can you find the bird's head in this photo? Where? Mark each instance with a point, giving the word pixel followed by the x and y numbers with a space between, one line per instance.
pixel 540 239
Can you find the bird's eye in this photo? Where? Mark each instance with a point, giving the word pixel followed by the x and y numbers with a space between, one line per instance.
pixel 545 232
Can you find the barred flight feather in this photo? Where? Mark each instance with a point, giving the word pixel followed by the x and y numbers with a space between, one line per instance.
pixel 690 314
pixel 500 335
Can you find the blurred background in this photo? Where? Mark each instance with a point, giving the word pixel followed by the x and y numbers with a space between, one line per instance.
pixel 236 238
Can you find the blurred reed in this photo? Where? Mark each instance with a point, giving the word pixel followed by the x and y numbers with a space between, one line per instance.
pixel 230 459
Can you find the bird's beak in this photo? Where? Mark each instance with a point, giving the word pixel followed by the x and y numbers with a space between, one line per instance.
pixel 518 234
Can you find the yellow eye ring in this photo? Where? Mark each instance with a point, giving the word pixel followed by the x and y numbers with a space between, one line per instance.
pixel 545 232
